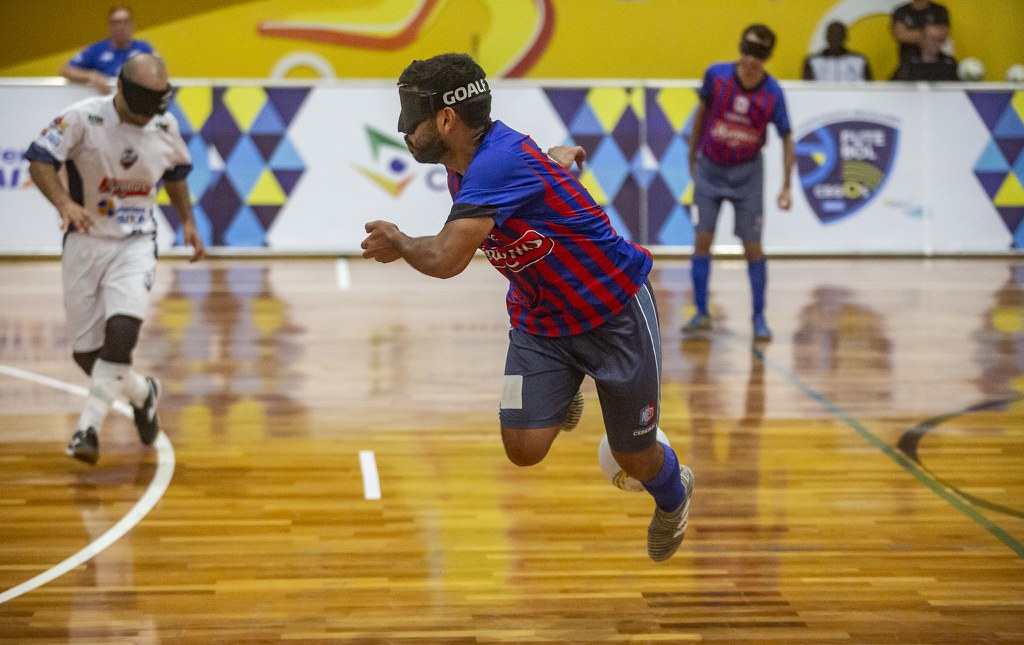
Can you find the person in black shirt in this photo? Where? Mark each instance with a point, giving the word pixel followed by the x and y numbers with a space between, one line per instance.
pixel 835 62
pixel 909 20
pixel 930 64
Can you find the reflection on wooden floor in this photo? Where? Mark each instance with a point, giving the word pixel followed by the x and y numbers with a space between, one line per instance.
pixel 859 480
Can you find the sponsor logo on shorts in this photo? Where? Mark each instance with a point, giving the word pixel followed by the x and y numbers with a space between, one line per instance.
pixel 647 414
pixel 643 431
pixel 528 249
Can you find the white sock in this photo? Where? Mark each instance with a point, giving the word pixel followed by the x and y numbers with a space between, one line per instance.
pixel 135 387
pixel 105 385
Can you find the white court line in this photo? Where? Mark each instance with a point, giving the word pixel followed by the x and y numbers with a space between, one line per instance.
pixel 371 481
pixel 342 275
pixel 161 480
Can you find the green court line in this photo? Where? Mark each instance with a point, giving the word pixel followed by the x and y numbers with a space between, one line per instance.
pixel 922 476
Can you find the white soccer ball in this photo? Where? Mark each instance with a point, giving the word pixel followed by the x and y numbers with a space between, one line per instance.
pixel 971 69
pixel 616 475
pixel 1015 73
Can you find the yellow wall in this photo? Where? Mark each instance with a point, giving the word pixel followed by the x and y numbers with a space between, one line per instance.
pixel 589 38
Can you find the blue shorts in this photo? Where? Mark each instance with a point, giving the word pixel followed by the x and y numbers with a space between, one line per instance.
pixel 623 356
pixel 741 184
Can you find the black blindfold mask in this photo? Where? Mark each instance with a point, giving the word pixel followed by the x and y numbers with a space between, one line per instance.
pixel 144 101
pixel 418 105
pixel 757 50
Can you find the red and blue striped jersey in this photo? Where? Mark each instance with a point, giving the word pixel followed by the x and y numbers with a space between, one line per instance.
pixel 569 271
pixel 736 120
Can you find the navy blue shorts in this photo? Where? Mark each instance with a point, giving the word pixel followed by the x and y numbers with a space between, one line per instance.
pixel 742 184
pixel 623 356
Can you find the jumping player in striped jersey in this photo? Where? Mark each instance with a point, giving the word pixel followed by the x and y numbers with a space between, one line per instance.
pixel 116 150
pixel 737 102
pixel 578 301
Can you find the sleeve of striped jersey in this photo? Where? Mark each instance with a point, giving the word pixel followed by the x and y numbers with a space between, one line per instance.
pixel 499 185
pixel 780 114
pixel 706 88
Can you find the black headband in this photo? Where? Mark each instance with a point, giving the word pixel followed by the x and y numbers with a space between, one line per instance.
pixel 757 50
pixel 144 101
pixel 418 105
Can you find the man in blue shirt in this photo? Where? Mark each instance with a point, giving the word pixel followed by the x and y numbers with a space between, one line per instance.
pixel 737 102
pixel 579 303
pixel 99 63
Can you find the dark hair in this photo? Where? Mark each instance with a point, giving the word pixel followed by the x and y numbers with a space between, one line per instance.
pixel 762 33
pixel 445 72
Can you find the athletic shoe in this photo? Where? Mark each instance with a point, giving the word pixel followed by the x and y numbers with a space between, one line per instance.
pixel 146 419
pixel 700 322
pixel 575 413
pixel 761 331
pixel 667 530
pixel 84 445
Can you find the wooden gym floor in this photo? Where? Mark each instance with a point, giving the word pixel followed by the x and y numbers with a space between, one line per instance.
pixel 860 479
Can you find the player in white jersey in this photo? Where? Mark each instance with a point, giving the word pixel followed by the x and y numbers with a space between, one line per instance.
pixel 116 151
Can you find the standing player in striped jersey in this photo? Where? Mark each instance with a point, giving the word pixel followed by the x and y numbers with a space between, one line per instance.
pixel 579 300
pixel 737 102
pixel 116 150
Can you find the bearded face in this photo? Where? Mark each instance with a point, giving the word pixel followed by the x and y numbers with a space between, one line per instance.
pixel 426 144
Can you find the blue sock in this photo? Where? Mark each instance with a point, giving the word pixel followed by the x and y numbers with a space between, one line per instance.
pixel 666 487
pixel 700 271
pixel 758 272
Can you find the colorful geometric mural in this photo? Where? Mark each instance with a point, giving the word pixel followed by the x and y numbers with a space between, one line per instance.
pixel 244 167
pixel 1000 168
pixel 636 142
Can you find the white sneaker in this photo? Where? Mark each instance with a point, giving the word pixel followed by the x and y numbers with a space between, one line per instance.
pixel 666 531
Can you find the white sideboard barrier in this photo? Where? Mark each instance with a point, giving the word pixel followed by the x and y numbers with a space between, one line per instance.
pixel 298 169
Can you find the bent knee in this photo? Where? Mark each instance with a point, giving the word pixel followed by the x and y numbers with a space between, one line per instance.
pixel 527 447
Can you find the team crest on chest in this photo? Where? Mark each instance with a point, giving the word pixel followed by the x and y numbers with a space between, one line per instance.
pixel 128 158
pixel 741 104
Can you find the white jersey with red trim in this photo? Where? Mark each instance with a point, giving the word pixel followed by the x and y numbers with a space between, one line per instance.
pixel 114 168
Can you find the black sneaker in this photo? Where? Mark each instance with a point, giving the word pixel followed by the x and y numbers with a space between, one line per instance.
pixel 146 419
pixel 84 445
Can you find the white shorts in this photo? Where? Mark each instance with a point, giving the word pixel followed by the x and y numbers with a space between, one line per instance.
pixel 105 277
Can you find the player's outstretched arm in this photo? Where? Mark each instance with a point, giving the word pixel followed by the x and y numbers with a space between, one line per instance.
pixel 177 190
pixel 443 255
pixel 785 199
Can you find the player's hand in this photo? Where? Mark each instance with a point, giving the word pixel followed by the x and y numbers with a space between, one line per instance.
pixel 193 239
pixel 566 155
pixel 785 200
pixel 72 214
pixel 380 244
